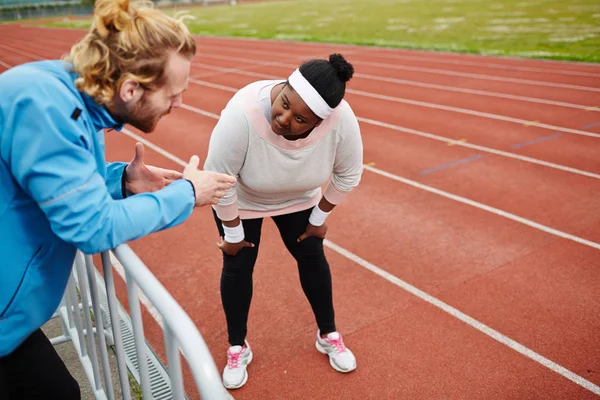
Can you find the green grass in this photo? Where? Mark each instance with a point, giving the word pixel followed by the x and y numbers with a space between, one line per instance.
pixel 555 29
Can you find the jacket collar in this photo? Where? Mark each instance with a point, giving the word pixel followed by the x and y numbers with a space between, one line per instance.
pixel 100 116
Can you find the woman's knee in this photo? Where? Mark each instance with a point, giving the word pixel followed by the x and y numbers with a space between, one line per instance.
pixel 310 250
pixel 242 264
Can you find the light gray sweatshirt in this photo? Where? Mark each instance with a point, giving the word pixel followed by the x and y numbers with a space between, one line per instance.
pixel 278 176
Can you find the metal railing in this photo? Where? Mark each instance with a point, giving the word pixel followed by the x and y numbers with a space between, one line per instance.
pixel 90 304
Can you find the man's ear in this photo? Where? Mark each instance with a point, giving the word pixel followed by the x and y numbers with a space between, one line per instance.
pixel 318 122
pixel 130 91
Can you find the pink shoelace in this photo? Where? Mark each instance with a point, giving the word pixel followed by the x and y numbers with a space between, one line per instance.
pixel 233 359
pixel 337 343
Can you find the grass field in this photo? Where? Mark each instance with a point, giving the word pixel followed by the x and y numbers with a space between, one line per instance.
pixel 556 29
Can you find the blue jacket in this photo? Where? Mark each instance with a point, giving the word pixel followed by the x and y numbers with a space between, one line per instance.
pixel 58 194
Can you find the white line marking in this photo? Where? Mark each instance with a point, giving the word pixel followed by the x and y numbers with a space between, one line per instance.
pixel 213 85
pixel 485 207
pixel 199 111
pixel 481 148
pixel 425 70
pixel 472 91
pixel 5 65
pixel 362 48
pixel 485 77
pixel 474 113
pixel 466 319
pixel 438 303
pixel 490 65
pixel 24 53
pixel 153 147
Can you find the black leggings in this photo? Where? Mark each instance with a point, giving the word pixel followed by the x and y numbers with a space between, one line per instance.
pixel 315 276
pixel 35 371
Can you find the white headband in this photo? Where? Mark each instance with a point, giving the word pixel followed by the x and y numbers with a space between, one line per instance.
pixel 309 94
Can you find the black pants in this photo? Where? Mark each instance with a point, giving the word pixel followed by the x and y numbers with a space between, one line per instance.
pixel 35 371
pixel 315 275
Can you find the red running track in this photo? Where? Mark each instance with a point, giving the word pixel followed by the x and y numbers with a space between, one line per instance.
pixel 499 251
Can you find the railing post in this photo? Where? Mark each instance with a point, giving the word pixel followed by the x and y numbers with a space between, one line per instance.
pixel 114 313
pixel 91 275
pixel 88 320
pixel 138 334
pixel 174 363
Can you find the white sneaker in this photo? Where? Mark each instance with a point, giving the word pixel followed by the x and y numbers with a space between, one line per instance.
pixel 340 357
pixel 238 358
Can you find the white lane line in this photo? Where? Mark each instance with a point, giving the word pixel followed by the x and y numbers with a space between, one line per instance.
pixel 428 70
pixel 380 50
pixel 491 65
pixel 23 53
pixel 485 207
pixel 472 322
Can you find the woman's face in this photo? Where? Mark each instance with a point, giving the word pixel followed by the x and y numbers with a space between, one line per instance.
pixel 290 116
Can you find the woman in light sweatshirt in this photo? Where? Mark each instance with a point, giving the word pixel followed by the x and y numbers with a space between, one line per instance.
pixel 284 140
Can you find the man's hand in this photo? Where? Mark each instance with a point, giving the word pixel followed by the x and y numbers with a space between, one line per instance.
pixel 208 186
pixel 316 231
pixel 233 248
pixel 142 178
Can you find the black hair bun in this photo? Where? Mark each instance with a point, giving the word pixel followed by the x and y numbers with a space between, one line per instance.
pixel 344 69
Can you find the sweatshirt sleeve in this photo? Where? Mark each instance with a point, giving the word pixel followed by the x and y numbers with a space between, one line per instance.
pixel 348 162
pixel 49 158
pixel 227 150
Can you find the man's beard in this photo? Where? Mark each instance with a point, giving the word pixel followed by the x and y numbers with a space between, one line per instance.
pixel 143 117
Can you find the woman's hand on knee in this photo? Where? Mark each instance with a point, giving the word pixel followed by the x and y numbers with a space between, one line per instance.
pixel 232 249
pixel 316 231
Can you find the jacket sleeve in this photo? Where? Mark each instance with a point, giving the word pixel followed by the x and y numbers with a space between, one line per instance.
pixel 114 179
pixel 51 161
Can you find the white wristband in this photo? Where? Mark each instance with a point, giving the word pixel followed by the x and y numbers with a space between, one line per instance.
pixel 318 216
pixel 234 234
